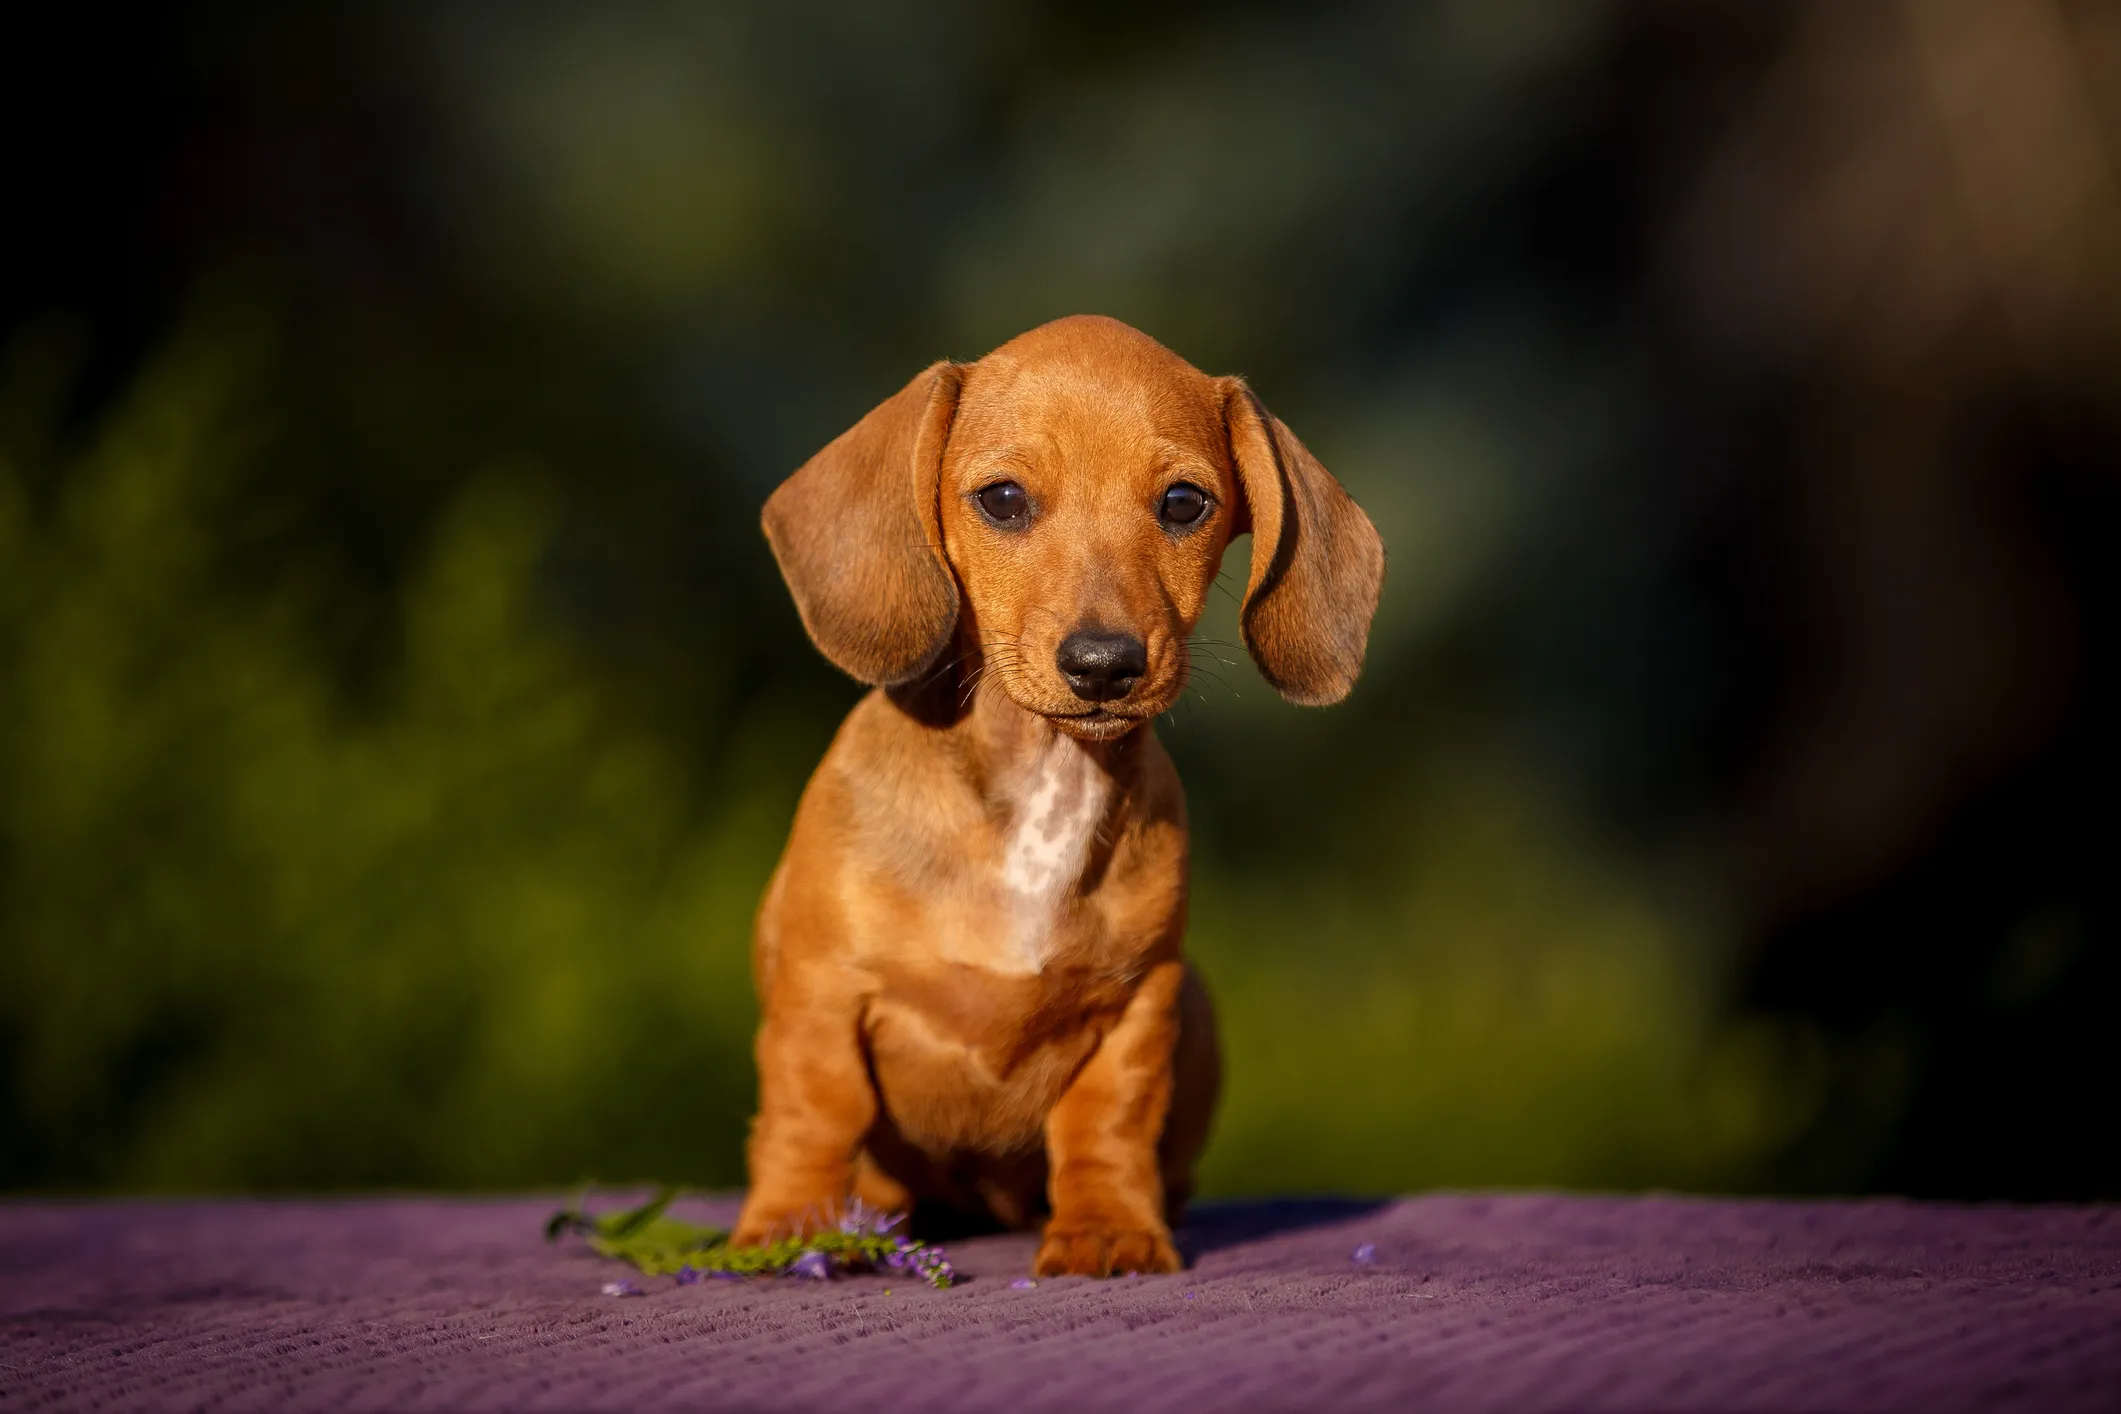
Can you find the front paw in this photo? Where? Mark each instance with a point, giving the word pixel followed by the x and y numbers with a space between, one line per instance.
pixel 1100 1251
pixel 762 1225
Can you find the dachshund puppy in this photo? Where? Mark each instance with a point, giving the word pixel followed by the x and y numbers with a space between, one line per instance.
pixel 969 959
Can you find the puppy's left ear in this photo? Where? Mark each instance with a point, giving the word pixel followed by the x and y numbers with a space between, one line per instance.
pixel 1317 562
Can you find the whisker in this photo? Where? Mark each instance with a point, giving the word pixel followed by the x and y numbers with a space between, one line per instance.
pixel 936 673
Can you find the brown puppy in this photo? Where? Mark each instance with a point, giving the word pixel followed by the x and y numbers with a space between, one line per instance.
pixel 969 958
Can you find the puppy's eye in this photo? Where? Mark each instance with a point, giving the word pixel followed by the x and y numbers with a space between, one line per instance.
pixel 1005 504
pixel 1183 504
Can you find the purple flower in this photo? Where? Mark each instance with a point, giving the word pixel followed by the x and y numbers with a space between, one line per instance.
pixel 1364 1255
pixel 812 1265
pixel 622 1287
pixel 1023 1284
pixel 689 1276
pixel 858 1219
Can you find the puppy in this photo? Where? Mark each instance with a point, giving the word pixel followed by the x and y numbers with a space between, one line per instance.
pixel 969 959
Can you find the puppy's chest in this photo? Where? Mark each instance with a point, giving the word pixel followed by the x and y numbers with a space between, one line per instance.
pixel 1053 815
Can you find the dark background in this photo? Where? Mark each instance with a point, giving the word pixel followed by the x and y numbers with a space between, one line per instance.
pixel 399 710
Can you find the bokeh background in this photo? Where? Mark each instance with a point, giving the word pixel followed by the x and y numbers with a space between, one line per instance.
pixel 400 712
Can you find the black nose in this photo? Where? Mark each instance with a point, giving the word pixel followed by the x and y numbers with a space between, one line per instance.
pixel 1100 667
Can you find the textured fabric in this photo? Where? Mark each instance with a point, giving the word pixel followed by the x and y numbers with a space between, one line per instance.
pixel 1517 1303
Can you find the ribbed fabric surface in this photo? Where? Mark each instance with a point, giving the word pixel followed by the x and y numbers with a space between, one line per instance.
pixel 1468 1303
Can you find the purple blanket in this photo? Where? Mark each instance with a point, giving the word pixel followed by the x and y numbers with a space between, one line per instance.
pixel 1517 1303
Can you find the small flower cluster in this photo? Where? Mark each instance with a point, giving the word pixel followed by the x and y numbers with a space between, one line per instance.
pixel 811 1266
pixel 860 1240
pixel 919 1260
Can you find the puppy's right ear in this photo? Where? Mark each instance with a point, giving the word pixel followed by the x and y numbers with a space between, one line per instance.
pixel 856 535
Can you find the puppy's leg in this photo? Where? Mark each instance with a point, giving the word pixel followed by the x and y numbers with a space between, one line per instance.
pixel 879 1191
pixel 1196 1082
pixel 815 1104
pixel 1101 1139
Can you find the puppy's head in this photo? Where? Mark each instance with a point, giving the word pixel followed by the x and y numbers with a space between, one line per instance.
pixel 1061 506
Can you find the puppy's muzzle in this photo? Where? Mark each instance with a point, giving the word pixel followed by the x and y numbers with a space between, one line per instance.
pixel 1101 667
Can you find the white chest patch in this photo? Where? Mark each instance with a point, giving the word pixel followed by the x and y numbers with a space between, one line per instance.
pixel 1049 841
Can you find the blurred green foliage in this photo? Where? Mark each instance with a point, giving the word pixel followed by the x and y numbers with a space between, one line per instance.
pixel 470 932
pixel 473 922
pixel 1510 1009
pixel 399 711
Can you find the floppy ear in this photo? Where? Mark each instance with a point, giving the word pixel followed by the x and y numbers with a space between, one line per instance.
pixel 1317 562
pixel 856 536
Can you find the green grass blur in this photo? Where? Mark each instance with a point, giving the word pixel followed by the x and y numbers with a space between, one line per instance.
pixel 400 712
pixel 474 922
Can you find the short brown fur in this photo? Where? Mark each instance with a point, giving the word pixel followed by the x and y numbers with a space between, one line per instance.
pixel 969 960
